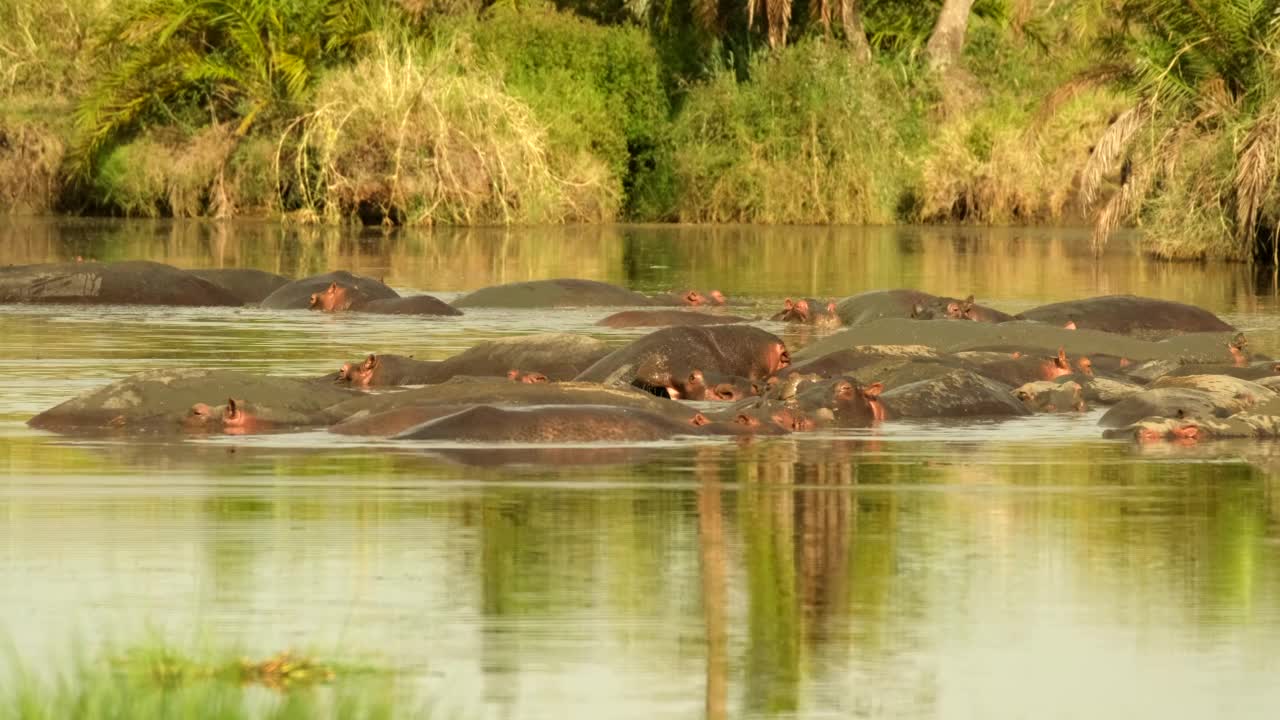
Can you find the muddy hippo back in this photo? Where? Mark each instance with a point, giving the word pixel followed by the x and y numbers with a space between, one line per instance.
pixel 247 285
pixel 560 292
pixel 413 305
pixel 665 357
pixel 667 318
pixel 1170 402
pixel 960 393
pixel 297 294
pixel 124 283
pixel 161 399
pixel 1129 315
pixel 562 424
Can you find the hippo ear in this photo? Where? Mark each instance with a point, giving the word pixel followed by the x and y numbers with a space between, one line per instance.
pixel 831 307
pixel 744 419
pixel 372 361
pixel 1061 360
pixel 1023 395
pixel 513 374
pixel 232 410
pixel 698 420
pixel 787 304
pixel 333 287
pixel 969 301
pixel 872 391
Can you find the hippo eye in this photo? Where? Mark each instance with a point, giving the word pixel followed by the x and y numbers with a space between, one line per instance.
pixel 1024 395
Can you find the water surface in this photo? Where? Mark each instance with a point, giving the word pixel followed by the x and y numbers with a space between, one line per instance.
pixel 1012 569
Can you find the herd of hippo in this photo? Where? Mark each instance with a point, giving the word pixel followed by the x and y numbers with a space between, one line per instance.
pixel 1167 370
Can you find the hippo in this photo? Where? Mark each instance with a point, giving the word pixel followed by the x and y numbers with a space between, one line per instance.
pixel 343 298
pixel 164 399
pixel 1019 371
pixel 559 292
pixel 689 298
pixel 959 393
pixel 1129 315
pixel 236 418
pixel 557 356
pixel 501 391
pixel 663 359
pixel 850 403
pixel 666 318
pixel 559 424
pixel 948 337
pixel 809 312
pixel 1240 425
pixel 851 360
pixel 1227 391
pixel 304 294
pixel 249 286
pixel 912 304
pixel 123 283
pixel 1257 370
pixel 1045 396
pixel 1099 389
pixel 1177 403
pixel 528 378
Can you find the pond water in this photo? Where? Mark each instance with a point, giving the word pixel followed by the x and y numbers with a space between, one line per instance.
pixel 1019 569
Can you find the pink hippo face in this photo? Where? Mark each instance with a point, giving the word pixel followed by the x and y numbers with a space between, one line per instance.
pixel 776 358
pixel 1056 367
pixel 859 399
pixel 233 418
pixel 335 298
pixel 695 298
pixel 528 378
pixel 359 374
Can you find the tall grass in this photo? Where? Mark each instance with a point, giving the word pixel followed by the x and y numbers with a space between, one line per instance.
pixel 418 135
pixel 813 137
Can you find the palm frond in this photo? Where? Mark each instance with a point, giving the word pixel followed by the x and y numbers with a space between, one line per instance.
pixel 1257 169
pixel 1110 149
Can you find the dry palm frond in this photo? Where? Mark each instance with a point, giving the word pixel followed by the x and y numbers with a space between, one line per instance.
pixel 753 6
pixel 1256 170
pixel 1122 205
pixel 1110 149
pixel 779 21
pixel 824 16
pixel 1096 77
pixel 707 14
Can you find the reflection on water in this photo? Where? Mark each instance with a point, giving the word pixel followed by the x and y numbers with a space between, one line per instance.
pixel 993 570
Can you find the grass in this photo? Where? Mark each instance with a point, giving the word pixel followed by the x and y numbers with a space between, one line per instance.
pixel 158 682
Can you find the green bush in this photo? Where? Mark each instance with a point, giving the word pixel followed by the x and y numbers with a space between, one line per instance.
pixel 812 137
pixel 595 87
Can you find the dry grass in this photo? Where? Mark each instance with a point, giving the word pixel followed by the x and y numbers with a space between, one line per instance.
pixel 31 156
pixel 162 174
pixel 1255 181
pixel 419 138
pixel 1001 166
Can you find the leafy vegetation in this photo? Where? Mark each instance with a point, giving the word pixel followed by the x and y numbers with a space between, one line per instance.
pixel 457 111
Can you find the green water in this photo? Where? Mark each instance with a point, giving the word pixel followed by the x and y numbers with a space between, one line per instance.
pixel 1018 569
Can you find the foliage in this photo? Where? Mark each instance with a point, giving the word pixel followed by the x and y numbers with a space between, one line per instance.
pixel 241 59
pixel 808 140
pixel 1205 76
pixel 420 136
pixel 597 88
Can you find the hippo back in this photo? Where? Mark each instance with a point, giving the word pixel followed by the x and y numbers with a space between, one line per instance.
pixel 123 283
pixel 297 294
pixel 559 292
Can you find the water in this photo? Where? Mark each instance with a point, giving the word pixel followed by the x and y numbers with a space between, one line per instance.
pixel 1019 569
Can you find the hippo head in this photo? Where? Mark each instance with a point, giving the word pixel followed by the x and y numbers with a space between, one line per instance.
pixel 232 418
pixel 334 298
pixel 1085 366
pixel 696 298
pixel 960 309
pixel 776 358
pixel 1238 347
pixel 854 399
pixel 1057 367
pixel 528 378
pixel 361 374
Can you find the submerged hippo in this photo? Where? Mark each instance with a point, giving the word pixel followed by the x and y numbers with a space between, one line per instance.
pixel 1177 403
pixel 851 360
pixel 662 360
pixel 249 286
pixel 164 399
pixel 1021 370
pixel 667 318
pixel 959 393
pixel 1227 391
pixel 302 294
pixel 689 298
pixel 808 312
pixel 557 356
pixel 1240 425
pixel 560 292
pixel 345 298
pixel 122 283
pixel 1129 315
pixel 1044 396
pixel 914 305
pixel 560 424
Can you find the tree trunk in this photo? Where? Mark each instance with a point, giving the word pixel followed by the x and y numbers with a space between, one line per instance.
pixel 947 39
pixel 854 33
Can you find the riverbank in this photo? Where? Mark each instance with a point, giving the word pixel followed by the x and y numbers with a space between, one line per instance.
pixel 526 114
